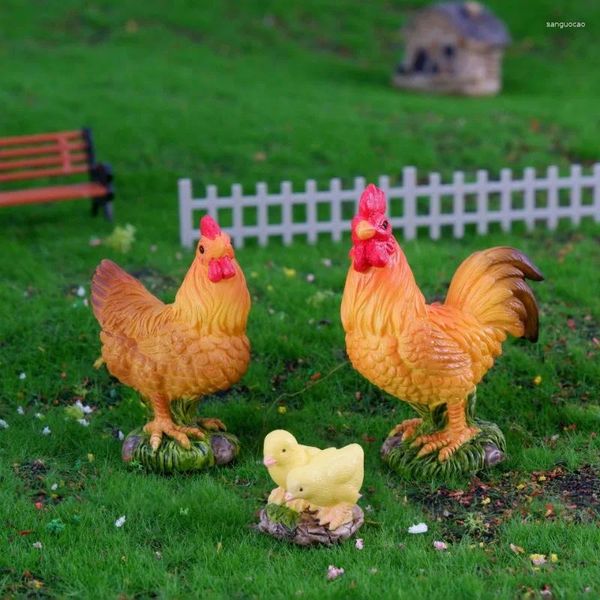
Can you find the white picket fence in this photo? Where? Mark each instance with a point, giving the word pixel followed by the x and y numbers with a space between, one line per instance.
pixel 479 202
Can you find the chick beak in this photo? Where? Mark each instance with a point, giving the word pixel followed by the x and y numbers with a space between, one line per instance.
pixel 269 461
pixel 288 497
pixel 365 231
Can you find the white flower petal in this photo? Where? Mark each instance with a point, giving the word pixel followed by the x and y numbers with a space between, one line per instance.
pixel 418 528
pixel 120 521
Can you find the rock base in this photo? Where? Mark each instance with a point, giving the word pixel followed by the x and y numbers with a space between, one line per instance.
pixel 303 528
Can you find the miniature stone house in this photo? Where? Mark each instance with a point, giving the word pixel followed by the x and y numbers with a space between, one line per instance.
pixel 454 48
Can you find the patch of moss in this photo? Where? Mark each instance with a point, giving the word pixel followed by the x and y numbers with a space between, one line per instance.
pixel 283 515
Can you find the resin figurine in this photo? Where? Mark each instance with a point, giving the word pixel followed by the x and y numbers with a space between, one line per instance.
pixel 282 453
pixel 174 354
pixel 432 356
pixel 317 494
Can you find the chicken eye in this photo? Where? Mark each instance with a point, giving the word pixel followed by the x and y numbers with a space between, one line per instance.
pixel 283 450
pixel 300 489
pixel 385 224
pixel 201 249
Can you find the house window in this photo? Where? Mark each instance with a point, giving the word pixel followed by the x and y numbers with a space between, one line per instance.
pixel 449 51
pixel 420 61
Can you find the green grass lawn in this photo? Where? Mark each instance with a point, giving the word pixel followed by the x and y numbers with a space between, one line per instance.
pixel 246 91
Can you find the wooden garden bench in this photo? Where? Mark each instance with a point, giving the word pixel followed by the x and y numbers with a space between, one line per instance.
pixel 65 154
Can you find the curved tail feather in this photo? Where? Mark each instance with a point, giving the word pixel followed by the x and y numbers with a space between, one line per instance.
pixel 120 302
pixel 491 285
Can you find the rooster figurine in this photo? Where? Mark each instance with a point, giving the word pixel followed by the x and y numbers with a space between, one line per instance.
pixel 432 355
pixel 173 354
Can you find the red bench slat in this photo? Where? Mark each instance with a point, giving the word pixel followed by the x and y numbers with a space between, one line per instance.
pixel 52 194
pixel 39 173
pixel 40 162
pixel 55 149
pixel 40 137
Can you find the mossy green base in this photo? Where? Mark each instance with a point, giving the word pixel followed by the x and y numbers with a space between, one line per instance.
pixel 486 449
pixel 217 447
pixel 282 515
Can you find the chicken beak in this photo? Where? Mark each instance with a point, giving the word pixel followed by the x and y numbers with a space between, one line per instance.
pixel 365 231
pixel 269 461
pixel 288 497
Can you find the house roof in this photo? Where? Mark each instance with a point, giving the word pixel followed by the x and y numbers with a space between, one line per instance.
pixel 473 21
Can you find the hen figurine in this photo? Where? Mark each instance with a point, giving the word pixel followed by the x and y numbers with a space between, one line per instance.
pixel 432 355
pixel 173 354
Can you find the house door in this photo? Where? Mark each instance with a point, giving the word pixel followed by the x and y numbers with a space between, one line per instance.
pixel 423 63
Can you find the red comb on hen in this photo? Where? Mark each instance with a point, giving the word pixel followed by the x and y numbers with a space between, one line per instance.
pixel 209 227
pixel 372 202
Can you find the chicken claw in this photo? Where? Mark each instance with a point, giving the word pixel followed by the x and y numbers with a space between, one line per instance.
pixel 406 428
pixel 213 424
pixel 448 440
pixel 335 516
pixel 180 433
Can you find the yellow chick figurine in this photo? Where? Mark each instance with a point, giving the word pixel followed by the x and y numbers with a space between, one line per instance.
pixel 330 482
pixel 281 454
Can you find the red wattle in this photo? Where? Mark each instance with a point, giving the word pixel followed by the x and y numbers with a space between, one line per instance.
pixel 215 273
pixel 227 268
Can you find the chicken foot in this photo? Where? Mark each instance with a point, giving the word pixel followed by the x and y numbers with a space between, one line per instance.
pixel 335 516
pixel 212 424
pixel 406 428
pixel 456 433
pixel 163 424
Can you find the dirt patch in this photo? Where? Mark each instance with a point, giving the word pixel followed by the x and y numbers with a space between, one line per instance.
pixel 32 474
pixel 482 507
pixel 580 492
pixel 34 477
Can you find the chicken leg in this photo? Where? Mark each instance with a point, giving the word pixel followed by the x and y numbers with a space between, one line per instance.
pixel 163 423
pixel 452 437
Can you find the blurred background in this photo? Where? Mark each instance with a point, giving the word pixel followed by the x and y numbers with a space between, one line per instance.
pixel 245 91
